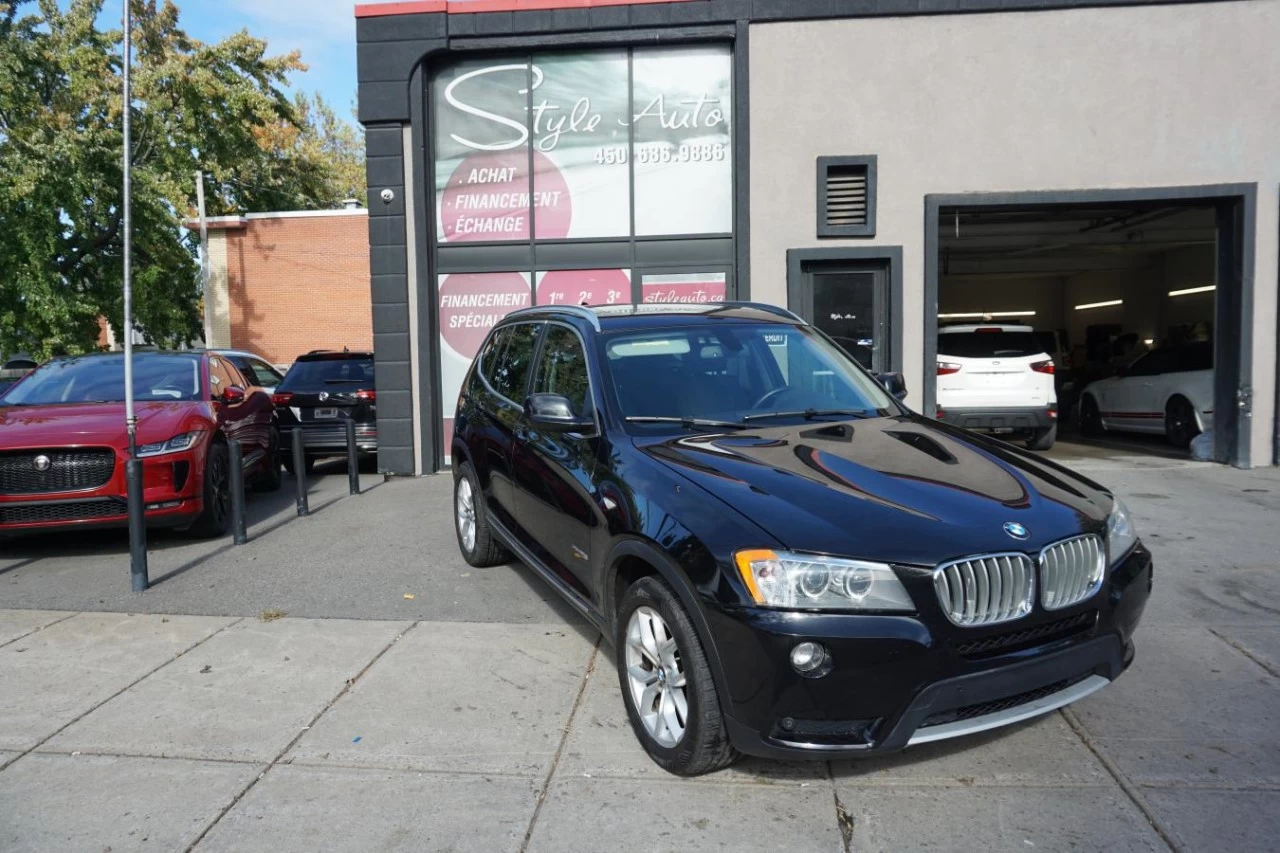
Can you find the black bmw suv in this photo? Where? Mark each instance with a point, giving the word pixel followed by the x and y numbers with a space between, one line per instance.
pixel 787 560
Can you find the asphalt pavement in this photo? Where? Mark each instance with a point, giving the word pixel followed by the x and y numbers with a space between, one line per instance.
pixel 289 695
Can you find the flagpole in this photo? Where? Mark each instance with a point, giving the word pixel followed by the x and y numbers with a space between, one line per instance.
pixel 133 467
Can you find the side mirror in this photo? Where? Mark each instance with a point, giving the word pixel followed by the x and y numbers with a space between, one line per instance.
pixel 233 395
pixel 894 383
pixel 554 413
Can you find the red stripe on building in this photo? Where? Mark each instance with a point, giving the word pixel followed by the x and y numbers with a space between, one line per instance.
pixel 466 7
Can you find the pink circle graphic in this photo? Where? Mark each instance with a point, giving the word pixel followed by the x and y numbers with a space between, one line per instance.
pixel 592 287
pixel 472 303
pixel 487 198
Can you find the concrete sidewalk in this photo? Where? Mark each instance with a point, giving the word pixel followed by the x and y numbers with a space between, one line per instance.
pixel 480 716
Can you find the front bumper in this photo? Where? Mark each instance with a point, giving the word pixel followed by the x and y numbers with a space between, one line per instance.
pixel 898 681
pixel 1018 419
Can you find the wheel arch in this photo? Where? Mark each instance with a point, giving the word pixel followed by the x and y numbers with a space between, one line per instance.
pixel 631 554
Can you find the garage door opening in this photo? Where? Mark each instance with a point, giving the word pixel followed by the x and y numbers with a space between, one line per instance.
pixel 1097 327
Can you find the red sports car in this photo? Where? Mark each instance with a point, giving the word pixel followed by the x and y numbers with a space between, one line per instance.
pixel 63 444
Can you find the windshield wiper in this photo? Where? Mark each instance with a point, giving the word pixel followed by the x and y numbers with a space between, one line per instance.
pixel 809 414
pixel 687 423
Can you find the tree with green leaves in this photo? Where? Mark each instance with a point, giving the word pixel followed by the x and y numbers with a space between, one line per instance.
pixel 221 108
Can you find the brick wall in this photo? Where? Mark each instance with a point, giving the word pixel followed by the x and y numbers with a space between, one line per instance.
pixel 298 283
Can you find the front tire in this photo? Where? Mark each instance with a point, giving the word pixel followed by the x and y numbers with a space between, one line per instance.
pixel 216 516
pixel 479 547
pixel 1090 418
pixel 1180 423
pixel 1043 439
pixel 667 685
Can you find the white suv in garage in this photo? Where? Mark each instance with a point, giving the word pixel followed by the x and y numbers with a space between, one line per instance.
pixel 1169 390
pixel 997 378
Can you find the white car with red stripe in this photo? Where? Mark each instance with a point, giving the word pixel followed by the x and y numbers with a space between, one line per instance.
pixel 1168 391
pixel 996 377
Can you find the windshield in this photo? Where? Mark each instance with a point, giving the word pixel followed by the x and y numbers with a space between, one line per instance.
pixel 100 379
pixel 315 375
pixel 736 374
pixel 989 344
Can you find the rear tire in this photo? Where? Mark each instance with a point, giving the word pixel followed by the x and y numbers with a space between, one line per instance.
pixel 1180 423
pixel 1090 418
pixel 1043 439
pixel 215 518
pixel 663 671
pixel 479 547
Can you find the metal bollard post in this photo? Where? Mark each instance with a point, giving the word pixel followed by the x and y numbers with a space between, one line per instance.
pixel 353 459
pixel 137 526
pixel 238 535
pixel 300 471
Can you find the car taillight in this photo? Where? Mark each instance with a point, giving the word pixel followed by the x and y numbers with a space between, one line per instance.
pixel 281 399
pixel 367 395
pixel 1043 367
pixel 946 367
pixel 939 414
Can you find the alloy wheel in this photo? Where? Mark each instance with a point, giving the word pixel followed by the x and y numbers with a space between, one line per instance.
pixel 464 506
pixel 656 677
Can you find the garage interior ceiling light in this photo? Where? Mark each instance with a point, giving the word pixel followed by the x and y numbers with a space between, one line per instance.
pixel 1189 290
pixel 978 315
pixel 1107 304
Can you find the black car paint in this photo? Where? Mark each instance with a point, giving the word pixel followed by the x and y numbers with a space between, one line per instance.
pixel 900 489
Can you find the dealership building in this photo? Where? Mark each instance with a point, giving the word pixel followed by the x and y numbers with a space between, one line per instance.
pixel 1105 171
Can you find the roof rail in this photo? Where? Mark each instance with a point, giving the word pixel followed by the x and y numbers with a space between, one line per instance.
pixel 764 306
pixel 579 311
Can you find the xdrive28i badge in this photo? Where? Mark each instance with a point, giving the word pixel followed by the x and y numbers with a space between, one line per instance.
pixel 1016 530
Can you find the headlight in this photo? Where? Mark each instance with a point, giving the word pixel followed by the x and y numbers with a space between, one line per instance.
pixel 803 581
pixel 185 441
pixel 1120 533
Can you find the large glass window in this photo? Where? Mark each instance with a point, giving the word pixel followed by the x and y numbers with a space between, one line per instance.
pixel 549 146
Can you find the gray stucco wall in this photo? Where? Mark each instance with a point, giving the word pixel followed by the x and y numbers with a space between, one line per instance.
pixel 1069 99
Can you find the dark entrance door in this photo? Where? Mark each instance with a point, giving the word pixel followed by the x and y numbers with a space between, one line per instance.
pixel 849 301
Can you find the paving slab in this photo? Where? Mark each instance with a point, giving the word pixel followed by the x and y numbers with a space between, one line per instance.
pixel 59 673
pixel 611 814
pixel 97 803
pixel 985 819
pixel 1261 642
pixel 243 695
pixel 18 623
pixel 1218 820
pixel 472 697
pixel 1191 709
pixel 602 744
pixel 1044 751
pixel 304 809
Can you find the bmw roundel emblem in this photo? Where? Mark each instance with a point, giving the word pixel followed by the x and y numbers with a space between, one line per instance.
pixel 42 462
pixel 1016 530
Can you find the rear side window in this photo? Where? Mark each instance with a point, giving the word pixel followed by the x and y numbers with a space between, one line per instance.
pixel 492 352
pixel 989 344
pixel 319 374
pixel 510 375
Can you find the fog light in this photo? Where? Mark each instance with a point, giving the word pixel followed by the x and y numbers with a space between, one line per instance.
pixel 809 658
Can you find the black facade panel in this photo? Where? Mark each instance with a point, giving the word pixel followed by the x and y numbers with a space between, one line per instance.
pixel 536 21
pixel 394 460
pixel 383 140
pixel 609 18
pixel 781 10
pixel 384 171
pixel 464 258
pixel 651 15
pixel 394 376
pixel 695 12
pixel 390 319
pixel 570 19
pixel 897 7
pixel 493 23
pixel 462 25
pixel 395 404
pixel 383 101
pixel 713 252
pixel 388 60
pixel 732 10
pixel 583 256
pixel 397 432
pixel 378 207
pixel 386 231
pixel 401 27
pixel 392 346
pixel 939 5
pixel 387 260
pixel 389 289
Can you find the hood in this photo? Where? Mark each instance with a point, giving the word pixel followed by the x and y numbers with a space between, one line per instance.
pixel 902 489
pixel 90 423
